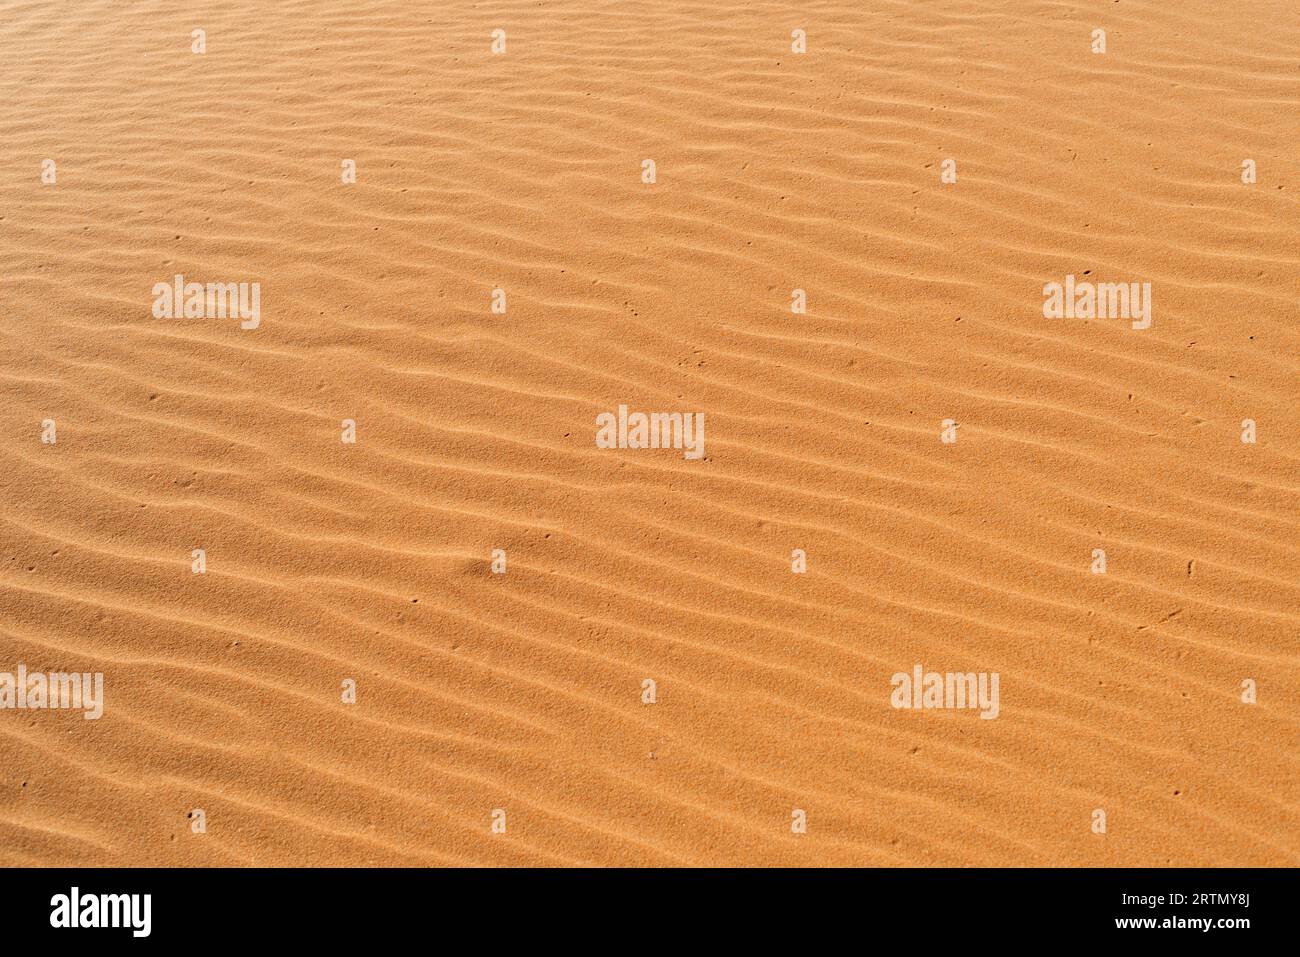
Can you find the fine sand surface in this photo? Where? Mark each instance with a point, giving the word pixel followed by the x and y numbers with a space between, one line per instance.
pixel 475 431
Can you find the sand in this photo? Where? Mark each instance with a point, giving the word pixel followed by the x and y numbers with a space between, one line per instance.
pixel 476 692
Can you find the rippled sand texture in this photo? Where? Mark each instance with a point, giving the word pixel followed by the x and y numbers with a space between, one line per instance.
pixel 475 431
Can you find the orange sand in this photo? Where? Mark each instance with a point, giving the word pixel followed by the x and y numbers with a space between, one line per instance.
pixel 475 431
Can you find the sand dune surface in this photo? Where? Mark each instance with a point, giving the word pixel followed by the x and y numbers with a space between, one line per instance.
pixel 859 321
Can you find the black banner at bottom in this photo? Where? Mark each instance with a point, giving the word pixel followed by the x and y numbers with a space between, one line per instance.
pixel 617 908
